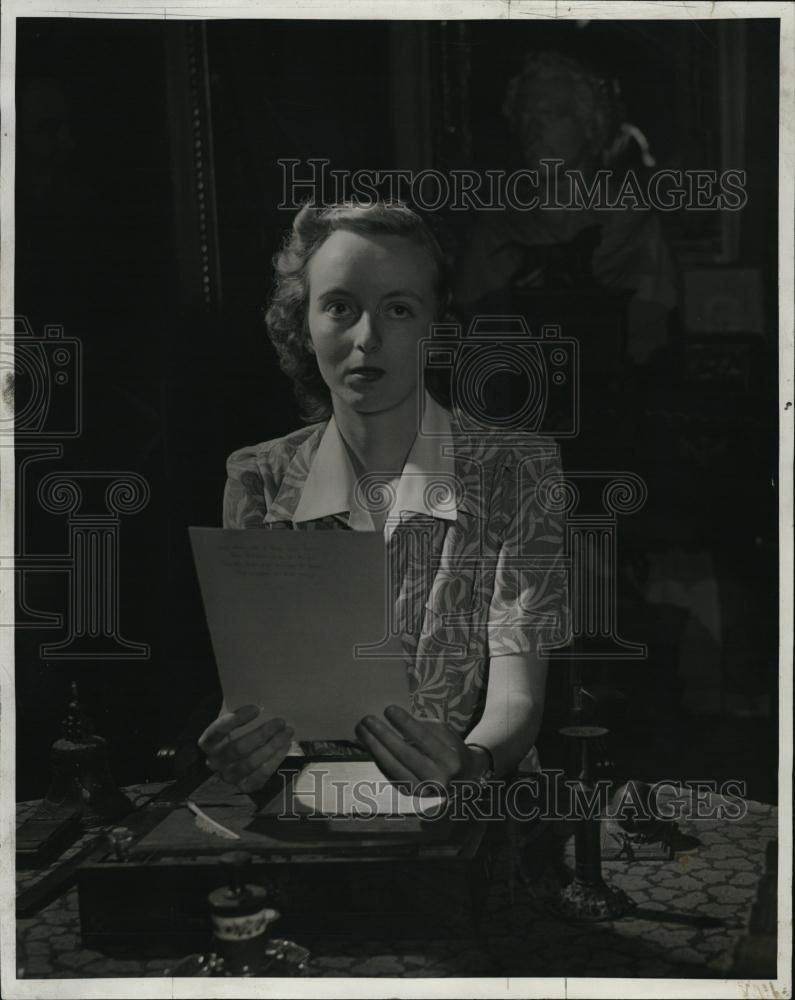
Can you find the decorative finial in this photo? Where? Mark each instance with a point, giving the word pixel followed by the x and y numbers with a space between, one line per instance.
pixel 77 726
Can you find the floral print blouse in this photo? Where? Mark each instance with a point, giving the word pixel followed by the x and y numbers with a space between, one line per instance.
pixel 491 582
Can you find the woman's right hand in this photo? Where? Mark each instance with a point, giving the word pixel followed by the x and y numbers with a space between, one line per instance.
pixel 248 760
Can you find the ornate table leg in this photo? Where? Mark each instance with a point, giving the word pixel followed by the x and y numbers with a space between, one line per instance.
pixel 588 897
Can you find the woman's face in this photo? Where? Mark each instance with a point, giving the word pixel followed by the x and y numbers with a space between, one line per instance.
pixel 371 302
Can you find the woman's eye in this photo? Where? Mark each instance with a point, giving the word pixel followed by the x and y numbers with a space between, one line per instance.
pixel 399 310
pixel 338 310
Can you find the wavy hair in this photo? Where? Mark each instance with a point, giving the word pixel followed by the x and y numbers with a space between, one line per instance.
pixel 287 316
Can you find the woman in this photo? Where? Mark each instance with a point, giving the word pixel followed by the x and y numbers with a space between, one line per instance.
pixel 357 290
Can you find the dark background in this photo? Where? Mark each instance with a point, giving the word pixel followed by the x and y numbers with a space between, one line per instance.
pixel 177 373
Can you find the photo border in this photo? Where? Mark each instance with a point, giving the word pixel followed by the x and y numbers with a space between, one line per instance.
pixel 390 987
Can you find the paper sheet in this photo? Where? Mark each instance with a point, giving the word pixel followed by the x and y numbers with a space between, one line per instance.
pixel 286 612
pixel 356 788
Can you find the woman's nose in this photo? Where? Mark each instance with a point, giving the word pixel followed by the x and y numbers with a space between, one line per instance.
pixel 366 336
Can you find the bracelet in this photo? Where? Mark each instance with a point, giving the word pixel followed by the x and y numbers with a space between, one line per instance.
pixel 488 774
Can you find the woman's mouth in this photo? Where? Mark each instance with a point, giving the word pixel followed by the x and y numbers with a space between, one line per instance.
pixel 366 373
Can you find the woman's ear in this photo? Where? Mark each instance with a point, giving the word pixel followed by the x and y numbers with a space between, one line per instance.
pixel 307 336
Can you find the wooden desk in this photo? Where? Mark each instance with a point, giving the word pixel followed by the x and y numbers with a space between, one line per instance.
pixel 516 937
pixel 389 874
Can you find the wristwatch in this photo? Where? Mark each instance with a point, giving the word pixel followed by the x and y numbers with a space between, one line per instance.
pixel 488 774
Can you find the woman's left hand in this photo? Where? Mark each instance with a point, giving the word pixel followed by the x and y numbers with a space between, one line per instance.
pixel 412 751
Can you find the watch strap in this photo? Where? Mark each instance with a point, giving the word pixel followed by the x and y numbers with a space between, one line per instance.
pixel 488 774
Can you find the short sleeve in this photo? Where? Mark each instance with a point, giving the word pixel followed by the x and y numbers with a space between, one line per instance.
pixel 244 495
pixel 529 608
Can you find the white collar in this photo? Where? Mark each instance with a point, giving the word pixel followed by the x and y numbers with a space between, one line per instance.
pixel 426 485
